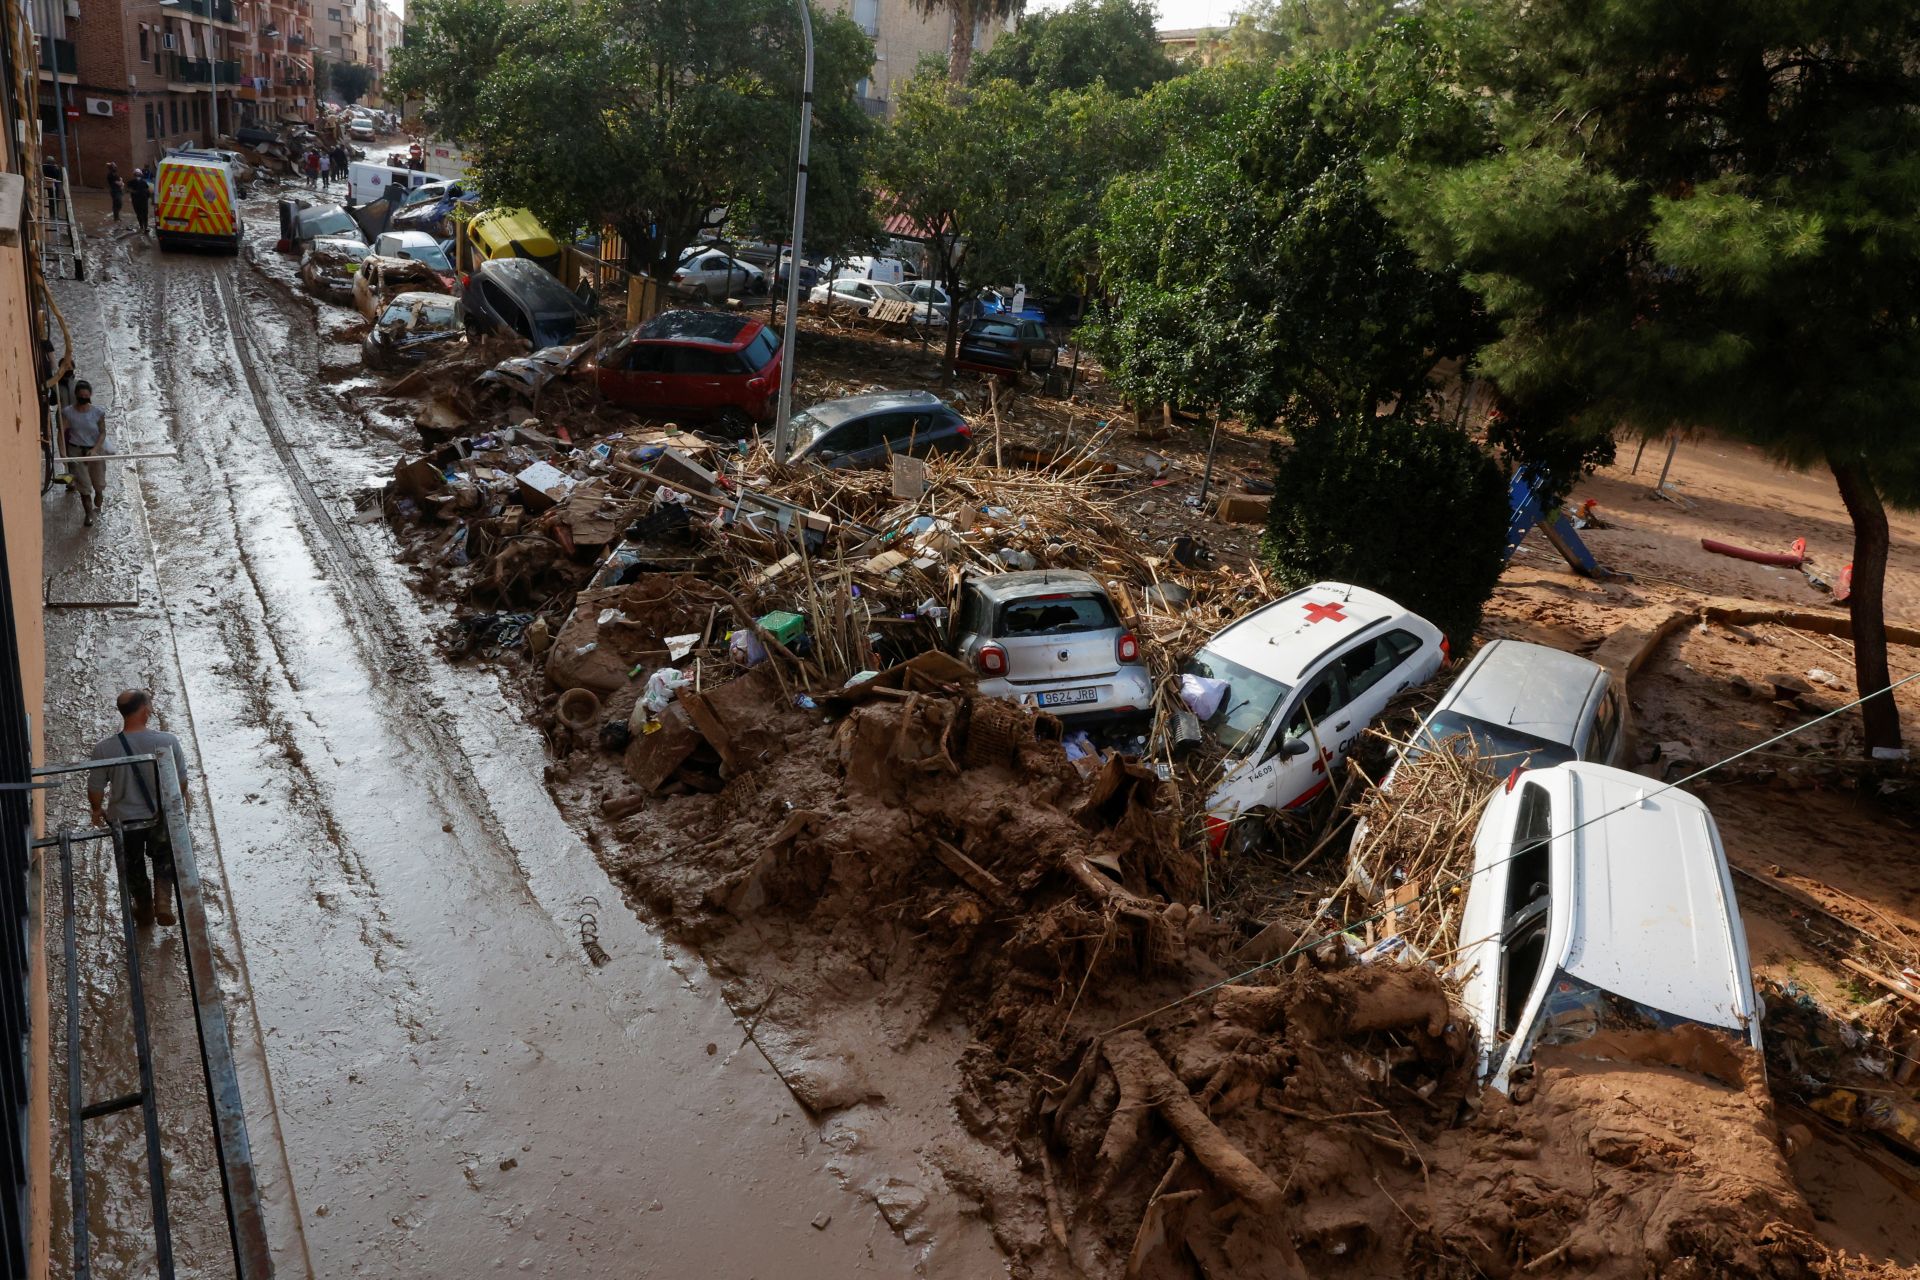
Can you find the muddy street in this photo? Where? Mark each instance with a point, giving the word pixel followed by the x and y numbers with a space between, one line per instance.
pixel 439 1081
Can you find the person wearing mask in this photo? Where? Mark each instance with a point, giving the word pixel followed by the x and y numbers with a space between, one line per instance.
pixel 140 191
pixel 129 794
pixel 84 426
pixel 116 189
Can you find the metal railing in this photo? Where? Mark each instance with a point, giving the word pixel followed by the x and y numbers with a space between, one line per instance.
pixel 16 939
pixel 184 70
pixel 246 1221
pixel 60 55
pixel 218 10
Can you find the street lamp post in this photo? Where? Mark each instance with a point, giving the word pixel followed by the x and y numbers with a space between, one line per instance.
pixel 782 426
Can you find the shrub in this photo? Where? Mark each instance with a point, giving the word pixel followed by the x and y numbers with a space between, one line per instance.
pixel 1407 506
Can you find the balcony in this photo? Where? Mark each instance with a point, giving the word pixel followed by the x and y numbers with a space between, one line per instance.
pixel 217 10
pixel 297 41
pixel 873 106
pixel 183 70
pixel 60 54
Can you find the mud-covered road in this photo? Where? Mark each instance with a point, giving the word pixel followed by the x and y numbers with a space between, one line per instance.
pixel 438 1081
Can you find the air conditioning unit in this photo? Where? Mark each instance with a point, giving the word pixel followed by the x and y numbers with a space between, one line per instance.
pixel 73 8
pixel 99 106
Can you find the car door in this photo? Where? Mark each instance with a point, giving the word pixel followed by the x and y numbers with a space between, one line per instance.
pixel 1033 342
pixel 697 377
pixel 1376 669
pixel 1304 752
pixel 645 375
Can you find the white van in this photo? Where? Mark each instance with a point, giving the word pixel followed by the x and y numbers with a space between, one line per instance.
pixel 1597 904
pixel 885 270
pixel 367 180
pixel 1288 689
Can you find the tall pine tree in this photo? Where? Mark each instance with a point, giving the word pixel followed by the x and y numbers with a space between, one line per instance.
pixel 1705 213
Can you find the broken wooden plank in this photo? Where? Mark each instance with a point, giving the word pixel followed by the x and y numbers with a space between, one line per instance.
pixel 701 713
pixel 971 873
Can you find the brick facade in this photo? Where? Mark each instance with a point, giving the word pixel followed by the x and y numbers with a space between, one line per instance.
pixel 152 69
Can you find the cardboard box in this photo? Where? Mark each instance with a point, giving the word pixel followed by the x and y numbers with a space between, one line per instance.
pixel 1242 508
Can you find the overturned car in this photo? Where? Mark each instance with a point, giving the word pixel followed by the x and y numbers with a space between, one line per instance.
pixel 380 279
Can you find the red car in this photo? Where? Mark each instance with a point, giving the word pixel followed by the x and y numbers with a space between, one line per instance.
pixel 708 364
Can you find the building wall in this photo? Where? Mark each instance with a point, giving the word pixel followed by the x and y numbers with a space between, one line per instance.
pixel 20 511
pixel 901 34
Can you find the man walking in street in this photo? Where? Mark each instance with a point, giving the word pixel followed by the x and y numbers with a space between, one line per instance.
pixel 116 189
pixel 84 425
pixel 141 192
pixel 128 794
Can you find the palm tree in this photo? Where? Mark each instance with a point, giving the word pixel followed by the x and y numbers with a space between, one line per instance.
pixel 967 17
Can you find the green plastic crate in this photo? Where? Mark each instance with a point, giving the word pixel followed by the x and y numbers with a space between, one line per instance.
pixel 783 626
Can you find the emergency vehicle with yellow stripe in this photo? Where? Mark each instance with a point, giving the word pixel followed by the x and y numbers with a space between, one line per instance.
pixel 196 203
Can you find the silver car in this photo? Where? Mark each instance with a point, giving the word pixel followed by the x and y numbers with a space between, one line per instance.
pixel 1526 704
pixel 1051 638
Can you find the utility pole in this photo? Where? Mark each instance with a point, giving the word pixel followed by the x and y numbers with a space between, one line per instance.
pixel 782 428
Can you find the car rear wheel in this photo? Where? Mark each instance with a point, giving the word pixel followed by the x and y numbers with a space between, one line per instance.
pixel 734 424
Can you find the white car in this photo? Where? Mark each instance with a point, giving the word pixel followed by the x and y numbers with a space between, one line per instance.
pixel 1288 690
pixel 930 295
pixel 1596 904
pixel 361 130
pixel 415 245
pixel 861 295
pixel 711 275
pixel 1051 638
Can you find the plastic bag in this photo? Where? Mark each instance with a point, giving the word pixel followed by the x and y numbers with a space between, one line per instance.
pixel 1201 695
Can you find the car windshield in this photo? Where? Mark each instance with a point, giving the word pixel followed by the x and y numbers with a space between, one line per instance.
pixel 431 254
pixel 891 292
pixel 343 247
pixel 1574 1010
pixel 1501 746
pixel 421 317
pixel 1250 701
pixel 805 428
pixel 995 329
pixel 329 222
pixel 1054 615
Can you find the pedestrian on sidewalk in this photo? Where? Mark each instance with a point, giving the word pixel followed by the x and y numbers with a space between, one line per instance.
pixel 84 424
pixel 116 188
pixel 134 792
pixel 141 192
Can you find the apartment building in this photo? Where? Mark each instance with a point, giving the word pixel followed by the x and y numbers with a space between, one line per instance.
pixel 384 27
pixel 901 36
pixel 127 79
pixel 341 26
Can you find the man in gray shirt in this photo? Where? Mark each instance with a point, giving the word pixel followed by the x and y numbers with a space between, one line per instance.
pixel 135 791
pixel 85 428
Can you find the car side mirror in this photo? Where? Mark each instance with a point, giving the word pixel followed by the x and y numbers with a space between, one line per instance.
pixel 1295 747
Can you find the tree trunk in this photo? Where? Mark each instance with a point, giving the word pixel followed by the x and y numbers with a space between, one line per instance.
pixel 960 43
pixel 1879 716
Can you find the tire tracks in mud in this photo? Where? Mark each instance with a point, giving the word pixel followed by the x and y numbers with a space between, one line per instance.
pixel 385 644
pixel 251 676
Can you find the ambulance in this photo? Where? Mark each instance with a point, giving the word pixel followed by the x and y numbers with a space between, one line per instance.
pixel 196 203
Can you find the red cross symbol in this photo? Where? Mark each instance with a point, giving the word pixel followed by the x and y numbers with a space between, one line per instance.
pixel 1325 612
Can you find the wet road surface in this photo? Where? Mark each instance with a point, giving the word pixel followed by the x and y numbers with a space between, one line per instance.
pixel 438 1082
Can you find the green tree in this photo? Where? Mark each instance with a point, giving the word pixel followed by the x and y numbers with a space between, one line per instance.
pixel 1072 48
pixel 321 70
pixel 1404 504
pixel 969 167
pixel 1251 272
pixel 349 81
pixel 451 47
pixel 657 117
pixel 967 17
pixel 1268 31
pixel 1705 218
